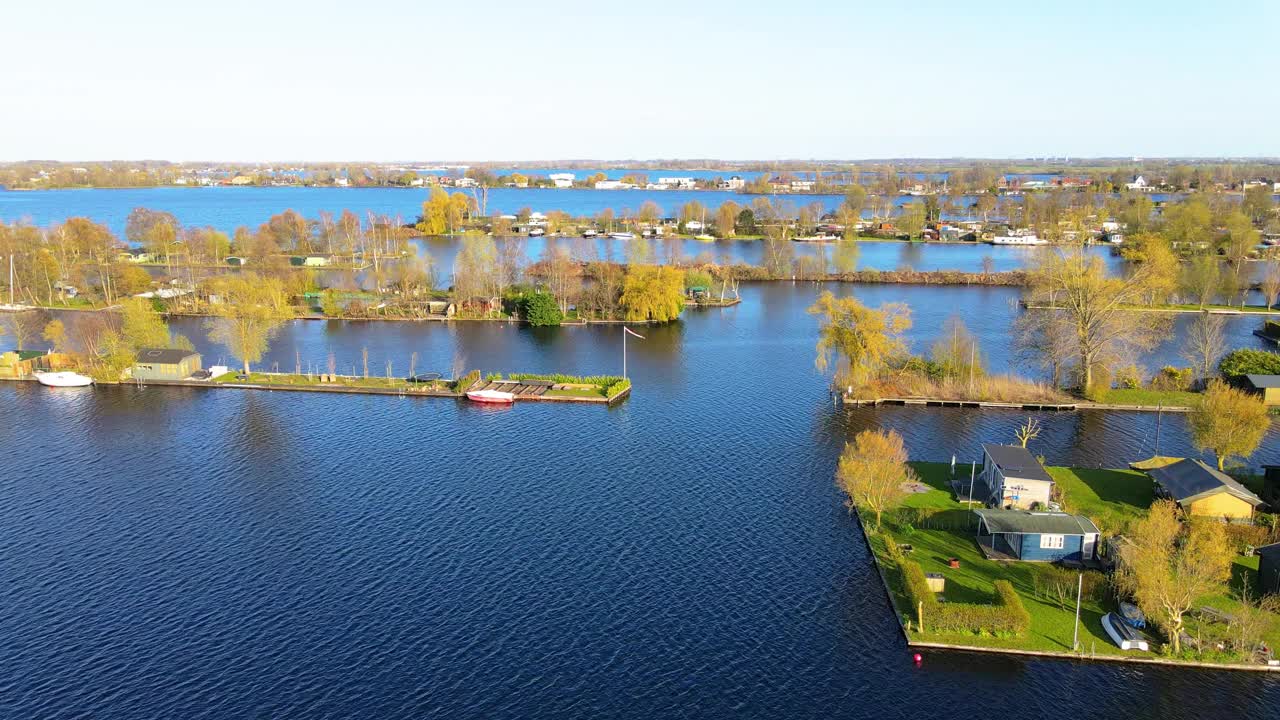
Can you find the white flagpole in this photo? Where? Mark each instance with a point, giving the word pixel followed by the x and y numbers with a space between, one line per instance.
pixel 624 352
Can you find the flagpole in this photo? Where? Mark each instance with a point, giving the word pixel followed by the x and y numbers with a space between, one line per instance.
pixel 624 352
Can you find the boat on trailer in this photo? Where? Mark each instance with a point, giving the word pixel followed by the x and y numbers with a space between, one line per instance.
pixel 65 378
pixel 1123 634
pixel 493 397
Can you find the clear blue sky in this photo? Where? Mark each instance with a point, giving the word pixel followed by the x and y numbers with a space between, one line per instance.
pixel 492 79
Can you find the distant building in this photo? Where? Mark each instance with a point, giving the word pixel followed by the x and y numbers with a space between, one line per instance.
pixel 466 182
pixel 165 364
pixel 341 181
pixel 1202 490
pixel 802 185
pixel 614 185
pixel 1269 568
pixel 562 180
pixel 679 183
pixel 731 183
pixel 242 180
pixel 1014 478
pixel 1268 386
pixel 1139 184
pixel 1037 536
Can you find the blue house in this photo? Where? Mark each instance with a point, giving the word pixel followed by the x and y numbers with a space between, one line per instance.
pixel 1040 536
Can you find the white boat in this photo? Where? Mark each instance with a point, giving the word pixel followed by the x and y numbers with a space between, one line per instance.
pixel 490 396
pixel 535 232
pixel 589 233
pixel 1018 240
pixel 65 378
pixel 705 238
pixel 622 235
pixel 1122 634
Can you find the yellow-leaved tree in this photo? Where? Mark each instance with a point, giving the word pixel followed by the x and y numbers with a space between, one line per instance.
pixel 652 292
pixel 1168 567
pixel 1228 421
pixel 860 340
pixel 250 312
pixel 873 471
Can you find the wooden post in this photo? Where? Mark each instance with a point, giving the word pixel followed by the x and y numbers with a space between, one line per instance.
pixel 920 615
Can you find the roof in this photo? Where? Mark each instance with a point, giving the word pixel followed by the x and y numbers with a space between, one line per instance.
pixel 1189 480
pixel 1264 381
pixel 1016 462
pixel 1271 552
pixel 1036 523
pixel 164 356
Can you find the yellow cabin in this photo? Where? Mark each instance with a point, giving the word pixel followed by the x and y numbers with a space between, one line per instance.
pixel 1268 386
pixel 1203 490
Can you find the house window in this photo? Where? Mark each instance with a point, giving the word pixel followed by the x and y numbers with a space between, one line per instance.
pixel 1051 542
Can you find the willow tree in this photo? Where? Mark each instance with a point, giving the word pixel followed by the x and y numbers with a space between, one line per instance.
pixel 1097 308
pixel 250 312
pixel 860 340
pixel 1167 567
pixel 1227 421
pixel 873 471
pixel 652 292
pixel 476 272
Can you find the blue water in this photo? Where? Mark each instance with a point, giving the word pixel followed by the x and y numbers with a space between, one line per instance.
pixel 226 554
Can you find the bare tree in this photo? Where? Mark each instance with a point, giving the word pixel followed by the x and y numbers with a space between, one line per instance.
pixel 1270 284
pixel 1028 431
pixel 1206 343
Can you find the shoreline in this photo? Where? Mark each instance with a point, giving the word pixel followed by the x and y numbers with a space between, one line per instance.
pixel 1032 406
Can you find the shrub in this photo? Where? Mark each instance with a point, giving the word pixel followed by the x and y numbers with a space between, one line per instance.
pixel 1172 378
pixel 1246 361
pixel 616 387
pixel 466 381
pixel 1128 377
pixel 540 309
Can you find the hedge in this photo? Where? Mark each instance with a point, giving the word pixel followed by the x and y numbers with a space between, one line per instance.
pixel 1006 616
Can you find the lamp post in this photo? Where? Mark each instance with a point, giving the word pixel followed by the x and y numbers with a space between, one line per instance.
pixel 625 332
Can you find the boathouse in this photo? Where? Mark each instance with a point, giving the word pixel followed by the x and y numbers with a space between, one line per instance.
pixel 1014 478
pixel 165 364
pixel 1037 536
pixel 1202 490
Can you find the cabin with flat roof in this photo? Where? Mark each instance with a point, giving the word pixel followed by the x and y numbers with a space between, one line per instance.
pixel 1203 490
pixel 165 364
pixel 1014 478
pixel 1037 536
pixel 1268 386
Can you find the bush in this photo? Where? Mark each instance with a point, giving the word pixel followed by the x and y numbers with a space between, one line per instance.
pixel 466 381
pixel 616 387
pixel 1128 377
pixel 540 309
pixel 1172 378
pixel 1246 361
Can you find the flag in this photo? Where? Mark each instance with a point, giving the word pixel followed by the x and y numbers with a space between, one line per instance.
pixel 629 330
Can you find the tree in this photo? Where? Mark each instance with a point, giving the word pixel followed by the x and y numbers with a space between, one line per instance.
pixel 873 471
pixel 1096 305
pixel 23 326
pixel 1228 422
pixel 1046 339
pixel 252 310
pixel 1167 568
pixel 562 275
pixel 727 218
pixel 130 279
pixel 55 333
pixel 912 219
pixel 435 213
pixel 1206 342
pixel 540 309
pixel 475 269
pixel 652 292
pixel 1202 278
pixel 846 255
pixel 862 339
pixel 1028 431
pixel 1270 283
pixel 956 351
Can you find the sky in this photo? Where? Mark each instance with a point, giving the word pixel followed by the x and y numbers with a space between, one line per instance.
pixel 391 80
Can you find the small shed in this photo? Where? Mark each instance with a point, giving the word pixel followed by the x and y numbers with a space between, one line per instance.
pixel 165 364
pixel 1268 386
pixel 1269 568
pixel 1037 536
pixel 1014 478
pixel 236 261
pixel 1203 490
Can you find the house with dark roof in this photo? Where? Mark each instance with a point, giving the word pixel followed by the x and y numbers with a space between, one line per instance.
pixel 1268 386
pixel 1269 568
pixel 1038 536
pixel 165 364
pixel 1203 490
pixel 1014 478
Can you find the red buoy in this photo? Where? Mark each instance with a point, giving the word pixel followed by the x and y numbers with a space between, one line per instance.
pixel 918 658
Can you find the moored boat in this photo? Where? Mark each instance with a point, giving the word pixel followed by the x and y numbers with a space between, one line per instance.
pixel 1123 634
pixel 64 378
pixel 491 396
pixel 622 235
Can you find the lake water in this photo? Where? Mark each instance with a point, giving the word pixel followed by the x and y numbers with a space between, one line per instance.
pixel 216 554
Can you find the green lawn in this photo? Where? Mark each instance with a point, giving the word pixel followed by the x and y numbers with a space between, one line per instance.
pixel 383 383
pixel 938 529
pixel 1168 398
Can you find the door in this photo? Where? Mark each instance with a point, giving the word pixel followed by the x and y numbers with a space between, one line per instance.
pixel 1087 547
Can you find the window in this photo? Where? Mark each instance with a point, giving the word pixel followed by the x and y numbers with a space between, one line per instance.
pixel 1051 542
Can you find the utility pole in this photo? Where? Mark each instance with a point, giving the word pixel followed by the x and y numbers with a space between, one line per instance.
pixel 1159 413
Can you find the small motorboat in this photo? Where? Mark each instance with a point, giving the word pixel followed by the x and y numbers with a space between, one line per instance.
pixel 705 238
pixel 1123 634
pixel 491 396
pixel 65 378
pixel 1132 615
pixel 622 235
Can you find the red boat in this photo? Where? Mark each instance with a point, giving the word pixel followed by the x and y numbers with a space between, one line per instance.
pixel 491 396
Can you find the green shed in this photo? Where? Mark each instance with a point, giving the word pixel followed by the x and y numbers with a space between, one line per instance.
pixel 165 364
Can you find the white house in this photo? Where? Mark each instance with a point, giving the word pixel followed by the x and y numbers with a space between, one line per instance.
pixel 562 180
pixel 732 183
pixel 614 185
pixel 1139 184
pixel 693 225
pixel 801 185
pixel 679 183
pixel 1014 478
